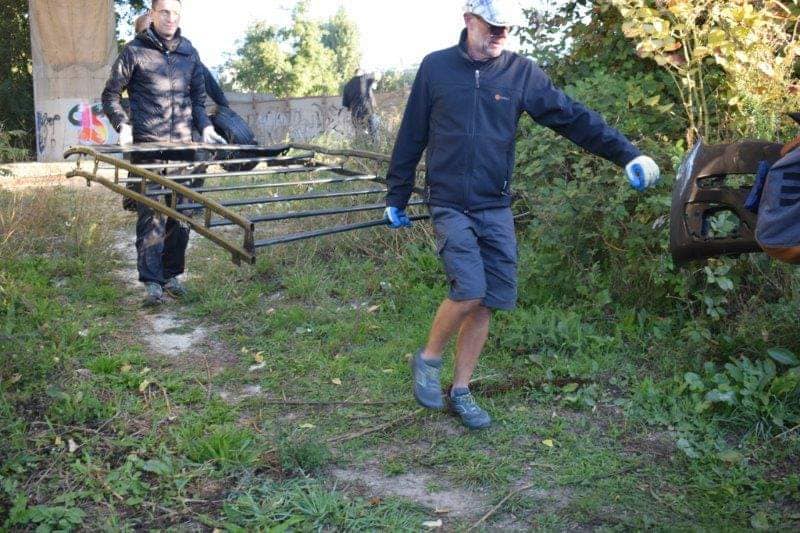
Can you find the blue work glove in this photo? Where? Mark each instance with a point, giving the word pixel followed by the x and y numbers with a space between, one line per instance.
pixel 642 173
pixel 396 218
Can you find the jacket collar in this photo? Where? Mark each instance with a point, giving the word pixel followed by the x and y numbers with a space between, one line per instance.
pixel 177 45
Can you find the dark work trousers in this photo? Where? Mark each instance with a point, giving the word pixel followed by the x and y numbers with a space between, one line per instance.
pixel 160 241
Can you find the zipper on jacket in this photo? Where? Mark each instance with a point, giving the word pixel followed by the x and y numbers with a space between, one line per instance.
pixel 172 95
pixel 474 134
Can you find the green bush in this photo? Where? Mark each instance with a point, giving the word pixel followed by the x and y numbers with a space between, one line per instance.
pixel 743 400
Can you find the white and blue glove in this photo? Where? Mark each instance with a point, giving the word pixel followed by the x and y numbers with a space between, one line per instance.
pixel 396 218
pixel 642 173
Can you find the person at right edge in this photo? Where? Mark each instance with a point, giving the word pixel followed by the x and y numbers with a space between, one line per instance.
pixel 464 108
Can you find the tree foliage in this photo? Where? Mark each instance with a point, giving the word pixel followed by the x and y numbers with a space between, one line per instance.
pixel 16 81
pixel 306 58
pixel 755 44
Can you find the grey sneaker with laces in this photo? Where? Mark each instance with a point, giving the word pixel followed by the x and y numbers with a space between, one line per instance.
pixel 175 288
pixel 463 404
pixel 153 293
pixel 427 387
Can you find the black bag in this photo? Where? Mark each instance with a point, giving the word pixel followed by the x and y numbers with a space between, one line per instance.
pixel 236 131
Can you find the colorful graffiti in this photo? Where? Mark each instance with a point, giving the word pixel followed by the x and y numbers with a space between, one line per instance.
pixel 45 130
pixel 88 119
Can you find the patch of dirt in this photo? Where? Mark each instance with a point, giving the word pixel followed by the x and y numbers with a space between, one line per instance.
pixel 658 444
pixel 423 488
pixel 163 338
pixel 162 329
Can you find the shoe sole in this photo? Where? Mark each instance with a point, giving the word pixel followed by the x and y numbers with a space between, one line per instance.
pixel 438 407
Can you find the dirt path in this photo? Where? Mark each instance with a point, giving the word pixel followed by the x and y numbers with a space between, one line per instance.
pixel 165 332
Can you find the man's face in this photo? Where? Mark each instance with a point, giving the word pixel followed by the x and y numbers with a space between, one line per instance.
pixel 487 40
pixel 166 16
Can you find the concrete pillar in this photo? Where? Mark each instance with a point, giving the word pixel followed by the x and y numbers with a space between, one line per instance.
pixel 73 47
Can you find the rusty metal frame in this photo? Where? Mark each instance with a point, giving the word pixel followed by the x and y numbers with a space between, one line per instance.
pixel 244 253
pixel 171 187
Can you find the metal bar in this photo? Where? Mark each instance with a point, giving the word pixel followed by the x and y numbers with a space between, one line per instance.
pixel 275 185
pixel 328 231
pixel 288 215
pixel 167 183
pixel 146 148
pixel 302 157
pixel 362 154
pixel 275 199
pixel 190 177
pixel 295 169
pixel 161 208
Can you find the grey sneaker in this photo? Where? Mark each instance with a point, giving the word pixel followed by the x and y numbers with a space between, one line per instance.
pixel 153 293
pixel 175 288
pixel 471 415
pixel 427 388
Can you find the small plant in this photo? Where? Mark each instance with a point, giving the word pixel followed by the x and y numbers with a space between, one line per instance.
pixel 228 447
pixel 303 456
pixel 9 152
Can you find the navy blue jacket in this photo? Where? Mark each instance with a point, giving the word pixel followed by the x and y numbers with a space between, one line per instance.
pixel 466 112
pixel 166 89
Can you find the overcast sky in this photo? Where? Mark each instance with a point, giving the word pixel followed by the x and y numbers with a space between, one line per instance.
pixel 394 34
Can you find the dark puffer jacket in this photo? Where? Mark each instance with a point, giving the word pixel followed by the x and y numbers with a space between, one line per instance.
pixel 166 88
pixel 466 112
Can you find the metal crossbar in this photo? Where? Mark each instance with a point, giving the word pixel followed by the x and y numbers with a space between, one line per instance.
pixel 146 183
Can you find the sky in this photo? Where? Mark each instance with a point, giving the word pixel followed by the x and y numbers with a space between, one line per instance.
pixel 394 34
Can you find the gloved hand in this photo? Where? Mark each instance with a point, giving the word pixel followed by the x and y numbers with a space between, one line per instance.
pixel 396 218
pixel 210 136
pixel 125 134
pixel 642 172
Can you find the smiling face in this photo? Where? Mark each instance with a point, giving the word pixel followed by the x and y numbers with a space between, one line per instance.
pixel 166 16
pixel 484 41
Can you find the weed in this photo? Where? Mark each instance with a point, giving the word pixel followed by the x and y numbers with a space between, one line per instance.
pixel 303 456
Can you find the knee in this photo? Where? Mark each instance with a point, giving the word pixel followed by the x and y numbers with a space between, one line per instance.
pixel 467 307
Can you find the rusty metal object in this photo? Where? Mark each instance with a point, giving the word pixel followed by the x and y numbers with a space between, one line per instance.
pixel 244 253
pixel 278 165
pixel 701 192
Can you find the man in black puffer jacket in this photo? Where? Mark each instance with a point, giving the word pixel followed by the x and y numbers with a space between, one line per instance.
pixel 165 81
pixel 464 107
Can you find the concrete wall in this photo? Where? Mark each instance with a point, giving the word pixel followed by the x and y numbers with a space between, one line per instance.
pixel 275 121
pixel 73 48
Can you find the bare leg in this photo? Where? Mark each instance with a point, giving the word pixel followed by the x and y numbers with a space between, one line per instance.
pixel 449 319
pixel 471 339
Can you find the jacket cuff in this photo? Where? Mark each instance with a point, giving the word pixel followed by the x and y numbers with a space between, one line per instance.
pixel 628 156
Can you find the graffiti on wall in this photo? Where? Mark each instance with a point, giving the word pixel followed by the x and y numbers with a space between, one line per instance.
pixel 45 131
pixel 88 119
pixel 298 123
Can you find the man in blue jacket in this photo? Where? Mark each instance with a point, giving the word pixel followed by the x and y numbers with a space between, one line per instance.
pixel 464 107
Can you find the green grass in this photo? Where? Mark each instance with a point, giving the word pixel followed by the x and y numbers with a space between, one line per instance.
pixel 98 433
